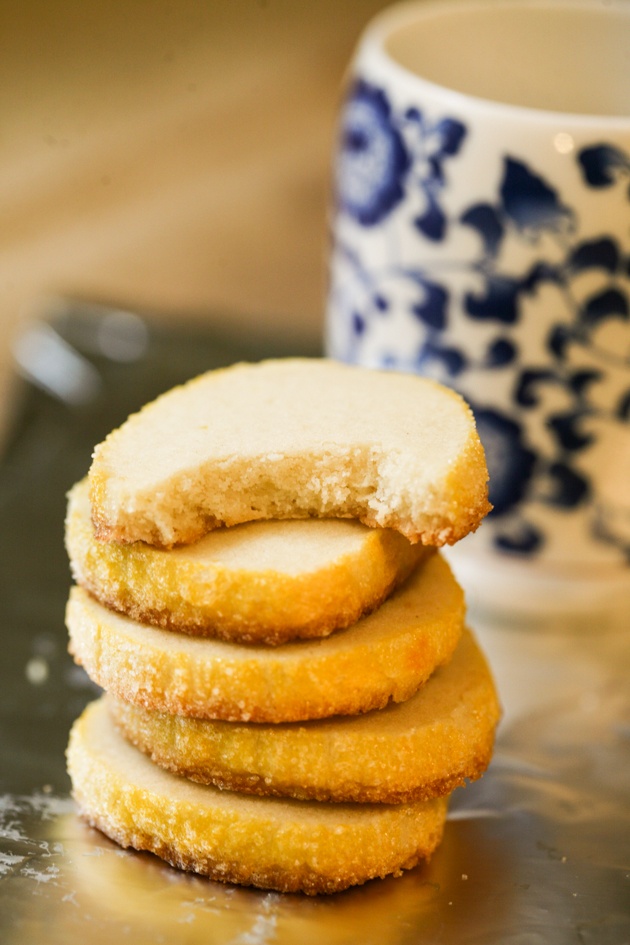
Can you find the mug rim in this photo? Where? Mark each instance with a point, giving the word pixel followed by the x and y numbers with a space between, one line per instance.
pixel 378 31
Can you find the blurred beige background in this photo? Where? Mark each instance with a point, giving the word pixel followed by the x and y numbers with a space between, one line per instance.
pixel 170 154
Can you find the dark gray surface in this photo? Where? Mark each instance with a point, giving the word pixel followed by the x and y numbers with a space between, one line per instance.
pixel 538 851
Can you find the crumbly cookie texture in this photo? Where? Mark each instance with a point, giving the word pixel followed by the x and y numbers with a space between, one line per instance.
pixel 288 439
pixel 262 582
pixel 422 748
pixel 286 845
pixel 385 656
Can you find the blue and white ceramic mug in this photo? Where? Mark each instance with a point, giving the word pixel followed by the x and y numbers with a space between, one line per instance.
pixel 481 236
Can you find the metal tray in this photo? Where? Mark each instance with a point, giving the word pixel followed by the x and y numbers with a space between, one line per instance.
pixel 538 851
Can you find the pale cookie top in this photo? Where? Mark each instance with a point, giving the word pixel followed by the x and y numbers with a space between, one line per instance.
pixel 292 438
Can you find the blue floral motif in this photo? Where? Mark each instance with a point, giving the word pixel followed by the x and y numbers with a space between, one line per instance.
pixel 520 538
pixel 431 309
pixel 431 144
pixel 510 462
pixel 440 360
pixel 388 155
pixel 380 151
pixel 526 204
pixel 373 159
pixel 530 203
pixel 500 302
pixel 500 352
pixel 602 164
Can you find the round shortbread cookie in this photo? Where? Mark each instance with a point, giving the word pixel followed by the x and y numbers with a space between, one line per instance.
pixel 422 748
pixel 386 655
pixel 287 845
pixel 294 438
pixel 266 582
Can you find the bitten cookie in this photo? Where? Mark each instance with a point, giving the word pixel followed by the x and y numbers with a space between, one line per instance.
pixel 287 845
pixel 288 439
pixel 263 582
pixel 386 655
pixel 415 750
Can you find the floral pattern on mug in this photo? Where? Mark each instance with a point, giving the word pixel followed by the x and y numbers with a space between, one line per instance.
pixel 411 311
pixel 373 161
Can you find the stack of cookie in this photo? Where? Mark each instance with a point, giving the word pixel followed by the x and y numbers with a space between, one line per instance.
pixel 291 693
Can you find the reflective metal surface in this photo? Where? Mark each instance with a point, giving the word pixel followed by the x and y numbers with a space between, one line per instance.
pixel 537 851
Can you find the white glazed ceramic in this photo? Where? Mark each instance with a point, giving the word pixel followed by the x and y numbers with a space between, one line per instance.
pixel 482 236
